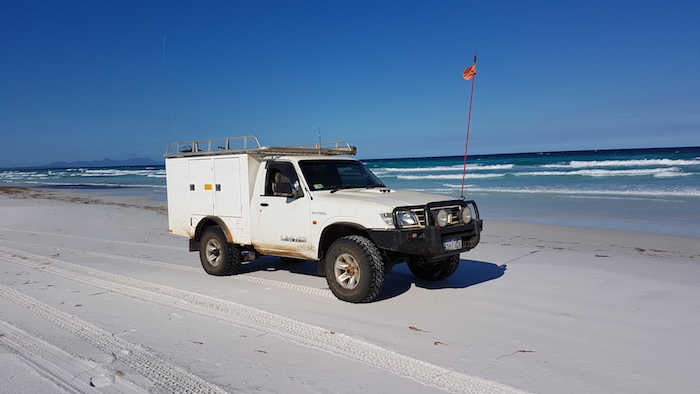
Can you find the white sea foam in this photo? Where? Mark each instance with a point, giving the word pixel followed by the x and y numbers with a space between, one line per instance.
pixel 451 186
pixel 86 177
pixel 460 167
pixel 625 163
pixel 116 172
pixel 449 176
pixel 656 172
pixel 688 192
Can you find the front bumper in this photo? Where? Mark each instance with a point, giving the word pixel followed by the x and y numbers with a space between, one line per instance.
pixel 428 242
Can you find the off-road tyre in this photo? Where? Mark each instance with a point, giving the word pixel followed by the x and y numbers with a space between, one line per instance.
pixel 354 269
pixel 218 256
pixel 436 271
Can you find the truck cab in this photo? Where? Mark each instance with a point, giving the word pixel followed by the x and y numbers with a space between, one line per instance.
pixel 237 200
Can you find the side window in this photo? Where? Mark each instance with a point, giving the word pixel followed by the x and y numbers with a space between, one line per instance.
pixel 281 173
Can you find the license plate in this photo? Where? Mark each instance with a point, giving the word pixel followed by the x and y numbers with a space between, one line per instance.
pixel 452 244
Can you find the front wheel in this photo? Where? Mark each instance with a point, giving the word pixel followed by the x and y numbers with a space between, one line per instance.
pixel 218 256
pixel 354 269
pixel 436 271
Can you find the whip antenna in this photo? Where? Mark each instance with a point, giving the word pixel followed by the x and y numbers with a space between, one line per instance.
pixel 167 95
pixel 469 73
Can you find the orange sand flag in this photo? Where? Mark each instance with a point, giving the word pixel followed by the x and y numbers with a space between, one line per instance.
pixel 469 72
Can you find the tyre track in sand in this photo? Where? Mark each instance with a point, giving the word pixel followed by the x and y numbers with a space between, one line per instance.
pixel 171 378
pixel 325 293
pixel 70 373
pixel 267 322
pixel 108 241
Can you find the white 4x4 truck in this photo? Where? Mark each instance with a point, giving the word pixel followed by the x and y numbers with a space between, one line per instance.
pixel 237 200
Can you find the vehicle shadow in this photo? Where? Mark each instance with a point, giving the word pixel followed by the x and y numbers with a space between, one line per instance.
pixel 398 281
pixel 269 263
pixel 469 273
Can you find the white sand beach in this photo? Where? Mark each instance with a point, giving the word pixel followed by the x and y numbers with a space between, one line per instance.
pixel 97 296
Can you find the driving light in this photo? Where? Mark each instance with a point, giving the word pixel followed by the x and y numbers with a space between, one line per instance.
pixel 442 218
pixel 466 215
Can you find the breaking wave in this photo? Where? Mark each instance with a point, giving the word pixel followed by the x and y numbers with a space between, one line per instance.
pixel 656 172
pixel 625 163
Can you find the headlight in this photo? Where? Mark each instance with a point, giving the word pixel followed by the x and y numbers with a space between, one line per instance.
pixel 466 215
pixel 442 218
pixel 407 218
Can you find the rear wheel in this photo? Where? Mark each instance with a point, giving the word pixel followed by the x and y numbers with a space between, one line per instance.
pixel 218 256
pixel 436 271
pixel 354 269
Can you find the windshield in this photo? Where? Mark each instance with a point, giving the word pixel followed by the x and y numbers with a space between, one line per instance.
pixel 337 174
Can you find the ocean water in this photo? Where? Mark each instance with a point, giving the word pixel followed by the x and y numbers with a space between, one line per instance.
pixel 129 181
pixel 649 190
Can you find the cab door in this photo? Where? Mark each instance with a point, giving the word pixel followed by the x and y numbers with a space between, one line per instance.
pixel 283 222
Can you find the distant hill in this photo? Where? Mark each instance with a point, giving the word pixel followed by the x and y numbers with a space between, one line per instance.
pixel 104 163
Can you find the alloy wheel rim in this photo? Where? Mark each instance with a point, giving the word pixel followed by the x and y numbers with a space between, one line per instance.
pixel 347 271
pixel 213 252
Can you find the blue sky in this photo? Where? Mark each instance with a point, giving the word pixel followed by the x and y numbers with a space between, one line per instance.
pixel 88 80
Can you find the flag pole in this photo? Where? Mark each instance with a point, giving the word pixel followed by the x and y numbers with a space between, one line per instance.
pixel 469 73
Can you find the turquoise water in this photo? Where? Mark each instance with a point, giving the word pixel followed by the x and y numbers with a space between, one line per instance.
pixel 649 190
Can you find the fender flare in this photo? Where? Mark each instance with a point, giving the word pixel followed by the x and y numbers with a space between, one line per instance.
pixel 330 233
pixel 205 223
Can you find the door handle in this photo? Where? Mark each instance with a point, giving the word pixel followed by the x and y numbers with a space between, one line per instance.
pixel 264 204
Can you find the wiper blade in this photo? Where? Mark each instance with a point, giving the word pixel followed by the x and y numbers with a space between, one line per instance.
pixel 341 187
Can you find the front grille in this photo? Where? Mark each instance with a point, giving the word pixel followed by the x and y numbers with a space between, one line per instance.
pixel 420 214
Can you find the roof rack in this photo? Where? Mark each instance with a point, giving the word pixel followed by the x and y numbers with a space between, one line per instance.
pixel 251 144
